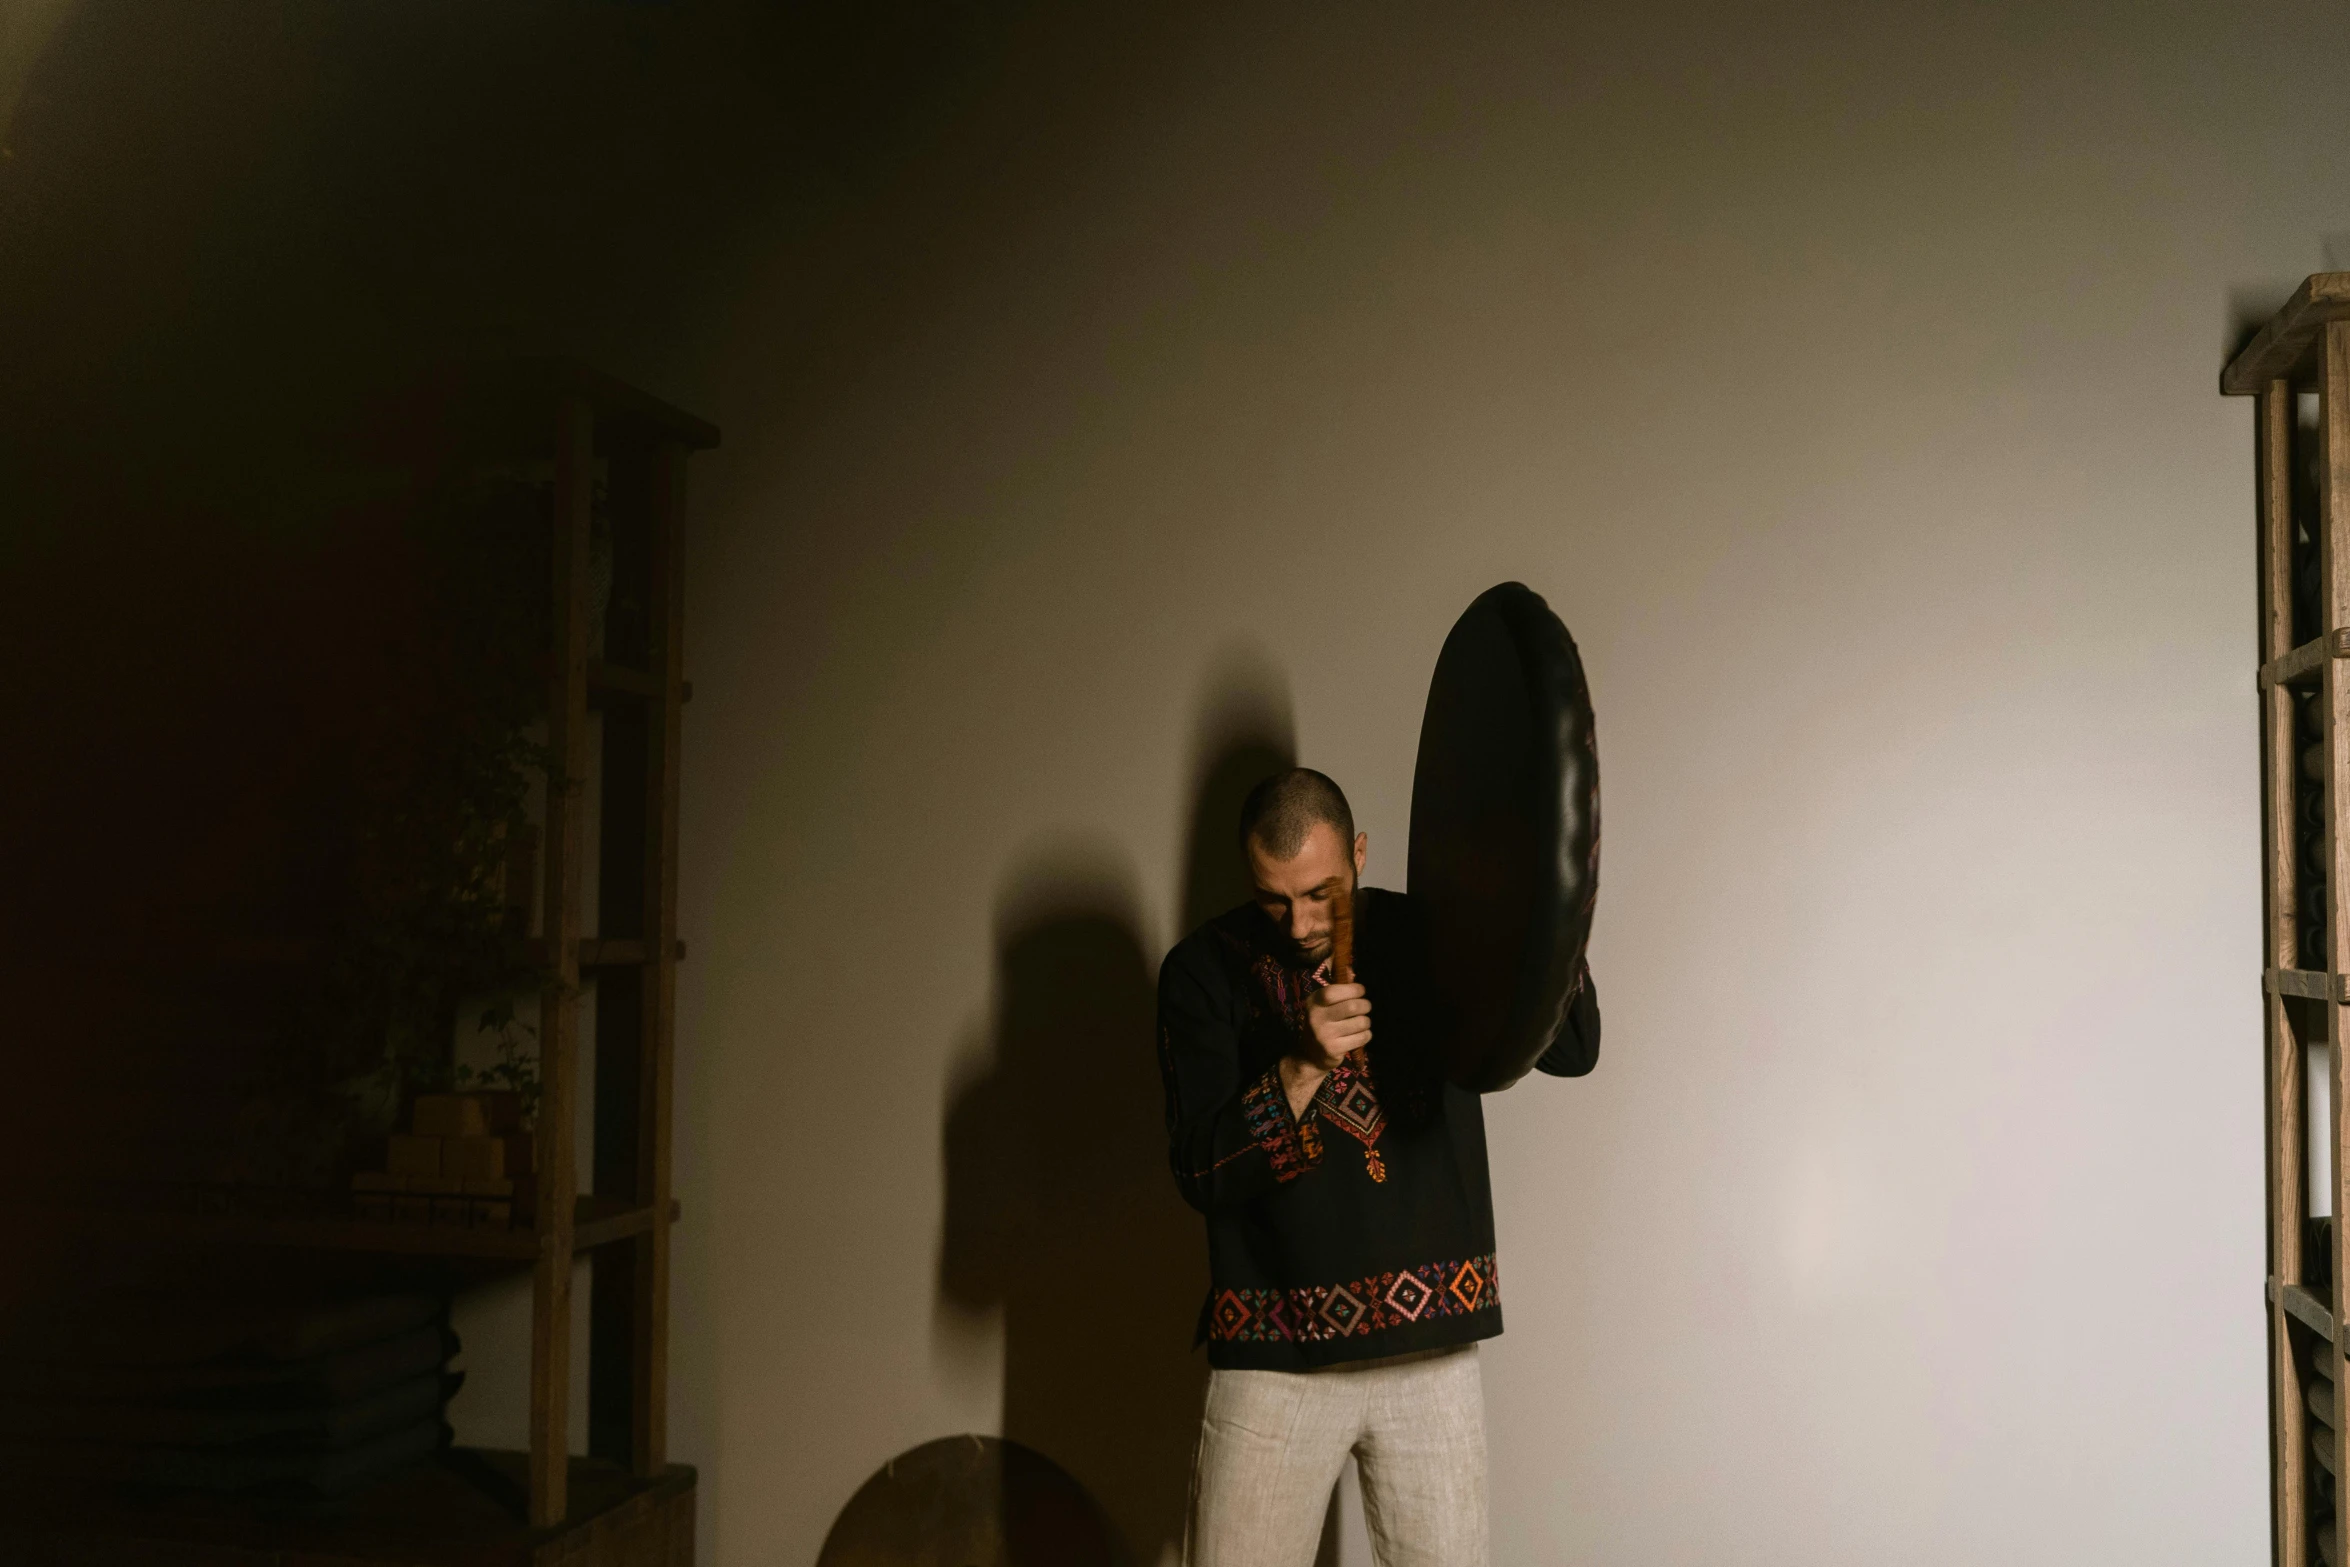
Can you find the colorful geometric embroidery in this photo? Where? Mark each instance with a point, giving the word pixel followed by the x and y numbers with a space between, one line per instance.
pixel 1347 1101
pixel 1467 1286
pixel 1408 1297
pixel 1294 1149
pixel 1346 1098
pixel 1342 1311
pixel 1321 1313
pixel 1287 990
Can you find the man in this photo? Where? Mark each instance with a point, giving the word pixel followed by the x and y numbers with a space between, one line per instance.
pixel 1350 1217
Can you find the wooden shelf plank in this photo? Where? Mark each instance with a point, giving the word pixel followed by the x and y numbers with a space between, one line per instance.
pixel 2303 665
pixel 597 1222
pixel 617 1224
pixel 2309 984
pixel 2303 1306
pixel 2285 349
pixel 597 952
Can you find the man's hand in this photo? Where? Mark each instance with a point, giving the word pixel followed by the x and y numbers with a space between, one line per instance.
pixel 1340 1019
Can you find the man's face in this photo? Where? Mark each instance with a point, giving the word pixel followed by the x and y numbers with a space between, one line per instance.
pixel 1295 893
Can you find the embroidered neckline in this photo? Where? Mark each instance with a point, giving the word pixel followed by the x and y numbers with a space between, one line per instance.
pixel 1347 1098
pixel 1347 1101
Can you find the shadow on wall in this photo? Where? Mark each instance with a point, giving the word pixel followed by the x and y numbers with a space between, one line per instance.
pixel 1245 733
pixel 1060 1213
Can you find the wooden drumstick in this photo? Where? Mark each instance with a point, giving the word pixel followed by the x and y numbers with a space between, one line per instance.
pixel 1342 933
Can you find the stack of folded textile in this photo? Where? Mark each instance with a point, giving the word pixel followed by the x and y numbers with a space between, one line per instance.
pixel 212 1393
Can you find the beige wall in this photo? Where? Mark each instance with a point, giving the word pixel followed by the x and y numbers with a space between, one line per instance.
pixel 1845 378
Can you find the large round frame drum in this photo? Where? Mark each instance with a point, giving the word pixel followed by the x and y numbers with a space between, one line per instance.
pixel 1505 834
pixel 971 1501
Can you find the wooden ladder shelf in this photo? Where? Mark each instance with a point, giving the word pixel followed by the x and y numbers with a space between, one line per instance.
pixel 2304 692
pixel 645 445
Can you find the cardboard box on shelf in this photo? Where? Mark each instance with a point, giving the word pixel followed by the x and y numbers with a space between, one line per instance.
pixel 406 1153
pixel 474 1158
pixel 480 1113
pixel 449 1115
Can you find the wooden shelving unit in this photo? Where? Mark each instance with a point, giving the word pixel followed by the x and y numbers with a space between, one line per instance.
pixel 576 416
pixel 2303 487
pixel 637 1508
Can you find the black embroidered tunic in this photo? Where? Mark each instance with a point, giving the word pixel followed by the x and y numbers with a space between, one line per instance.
pixel 1365 1227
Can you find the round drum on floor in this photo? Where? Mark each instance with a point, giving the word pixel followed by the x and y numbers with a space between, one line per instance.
pixel 970 1501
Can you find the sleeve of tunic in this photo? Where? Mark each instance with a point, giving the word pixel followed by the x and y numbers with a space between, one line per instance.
pixel 1230 1141
pixel 1576 1050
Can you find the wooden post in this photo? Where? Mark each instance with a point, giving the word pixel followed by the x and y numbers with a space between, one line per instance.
pixel 2334 590
pixel 550 1306
pixel 649 1401
pixel 2287 1151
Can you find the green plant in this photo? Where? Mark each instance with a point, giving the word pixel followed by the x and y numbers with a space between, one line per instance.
pixel 432 784
pixel 516 1067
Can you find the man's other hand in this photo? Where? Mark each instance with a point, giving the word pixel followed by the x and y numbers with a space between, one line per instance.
pixel 1340 1019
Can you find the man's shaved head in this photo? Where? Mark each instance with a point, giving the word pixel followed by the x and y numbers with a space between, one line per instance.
pixel 1279 812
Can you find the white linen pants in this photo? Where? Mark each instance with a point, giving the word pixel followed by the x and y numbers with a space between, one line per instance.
pixel 1272 1444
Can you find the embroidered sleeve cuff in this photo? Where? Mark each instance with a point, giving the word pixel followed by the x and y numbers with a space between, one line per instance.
pixel 1292 1146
